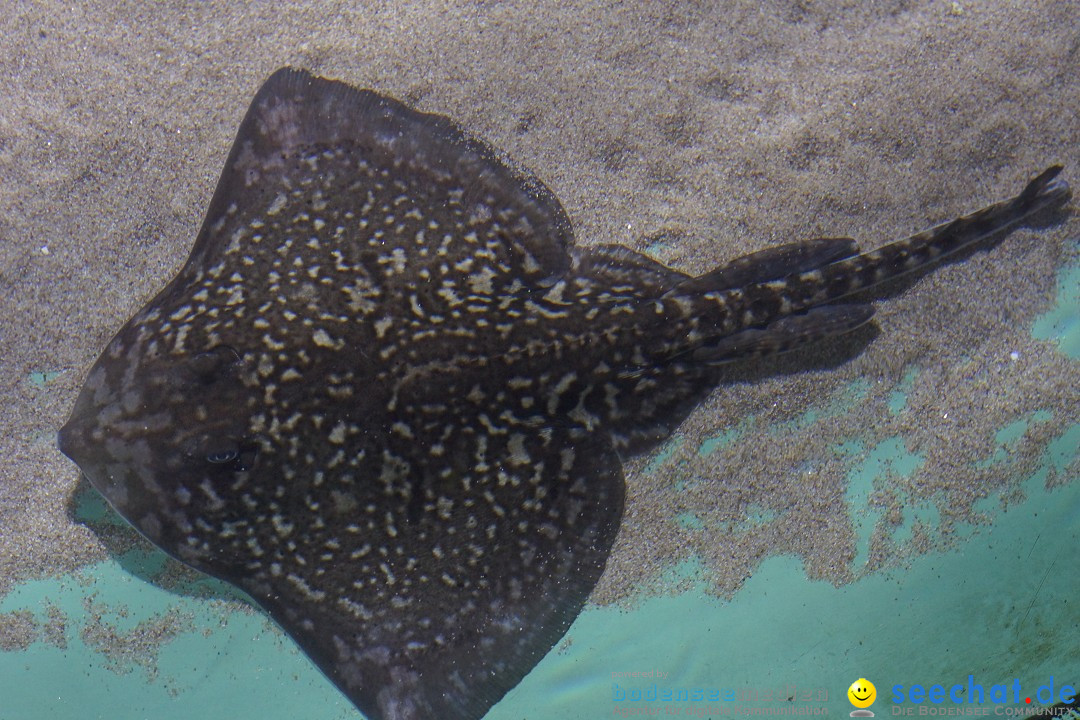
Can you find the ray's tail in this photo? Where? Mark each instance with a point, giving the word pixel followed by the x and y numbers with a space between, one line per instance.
pixel 779 299
pixel 844 277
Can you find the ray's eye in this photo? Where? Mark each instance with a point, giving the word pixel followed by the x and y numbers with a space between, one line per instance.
pixel 220 457
pixel 222 454
pixel 213 365
pixel 217 450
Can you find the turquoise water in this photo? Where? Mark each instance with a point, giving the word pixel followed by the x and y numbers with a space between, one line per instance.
pixel 1012 582
pixel 1002 607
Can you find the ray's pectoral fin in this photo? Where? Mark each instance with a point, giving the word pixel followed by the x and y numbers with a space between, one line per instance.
pixel 451 613
pixel 310 145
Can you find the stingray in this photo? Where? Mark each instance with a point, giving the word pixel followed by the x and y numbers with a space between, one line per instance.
pixel 389 398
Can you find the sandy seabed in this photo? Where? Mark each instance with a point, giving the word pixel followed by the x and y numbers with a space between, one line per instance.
pixel 695 132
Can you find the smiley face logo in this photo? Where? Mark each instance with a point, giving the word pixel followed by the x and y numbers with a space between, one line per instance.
pixel 862 693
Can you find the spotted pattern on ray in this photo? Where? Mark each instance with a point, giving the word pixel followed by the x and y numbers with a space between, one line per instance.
pixel 387 396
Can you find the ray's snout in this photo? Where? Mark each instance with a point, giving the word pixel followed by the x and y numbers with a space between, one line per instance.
pixel 84 439
pixel 81 434
pixel 70 440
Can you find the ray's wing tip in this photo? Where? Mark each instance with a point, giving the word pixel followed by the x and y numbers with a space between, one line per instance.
pixel 288 73
pixel 288 80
